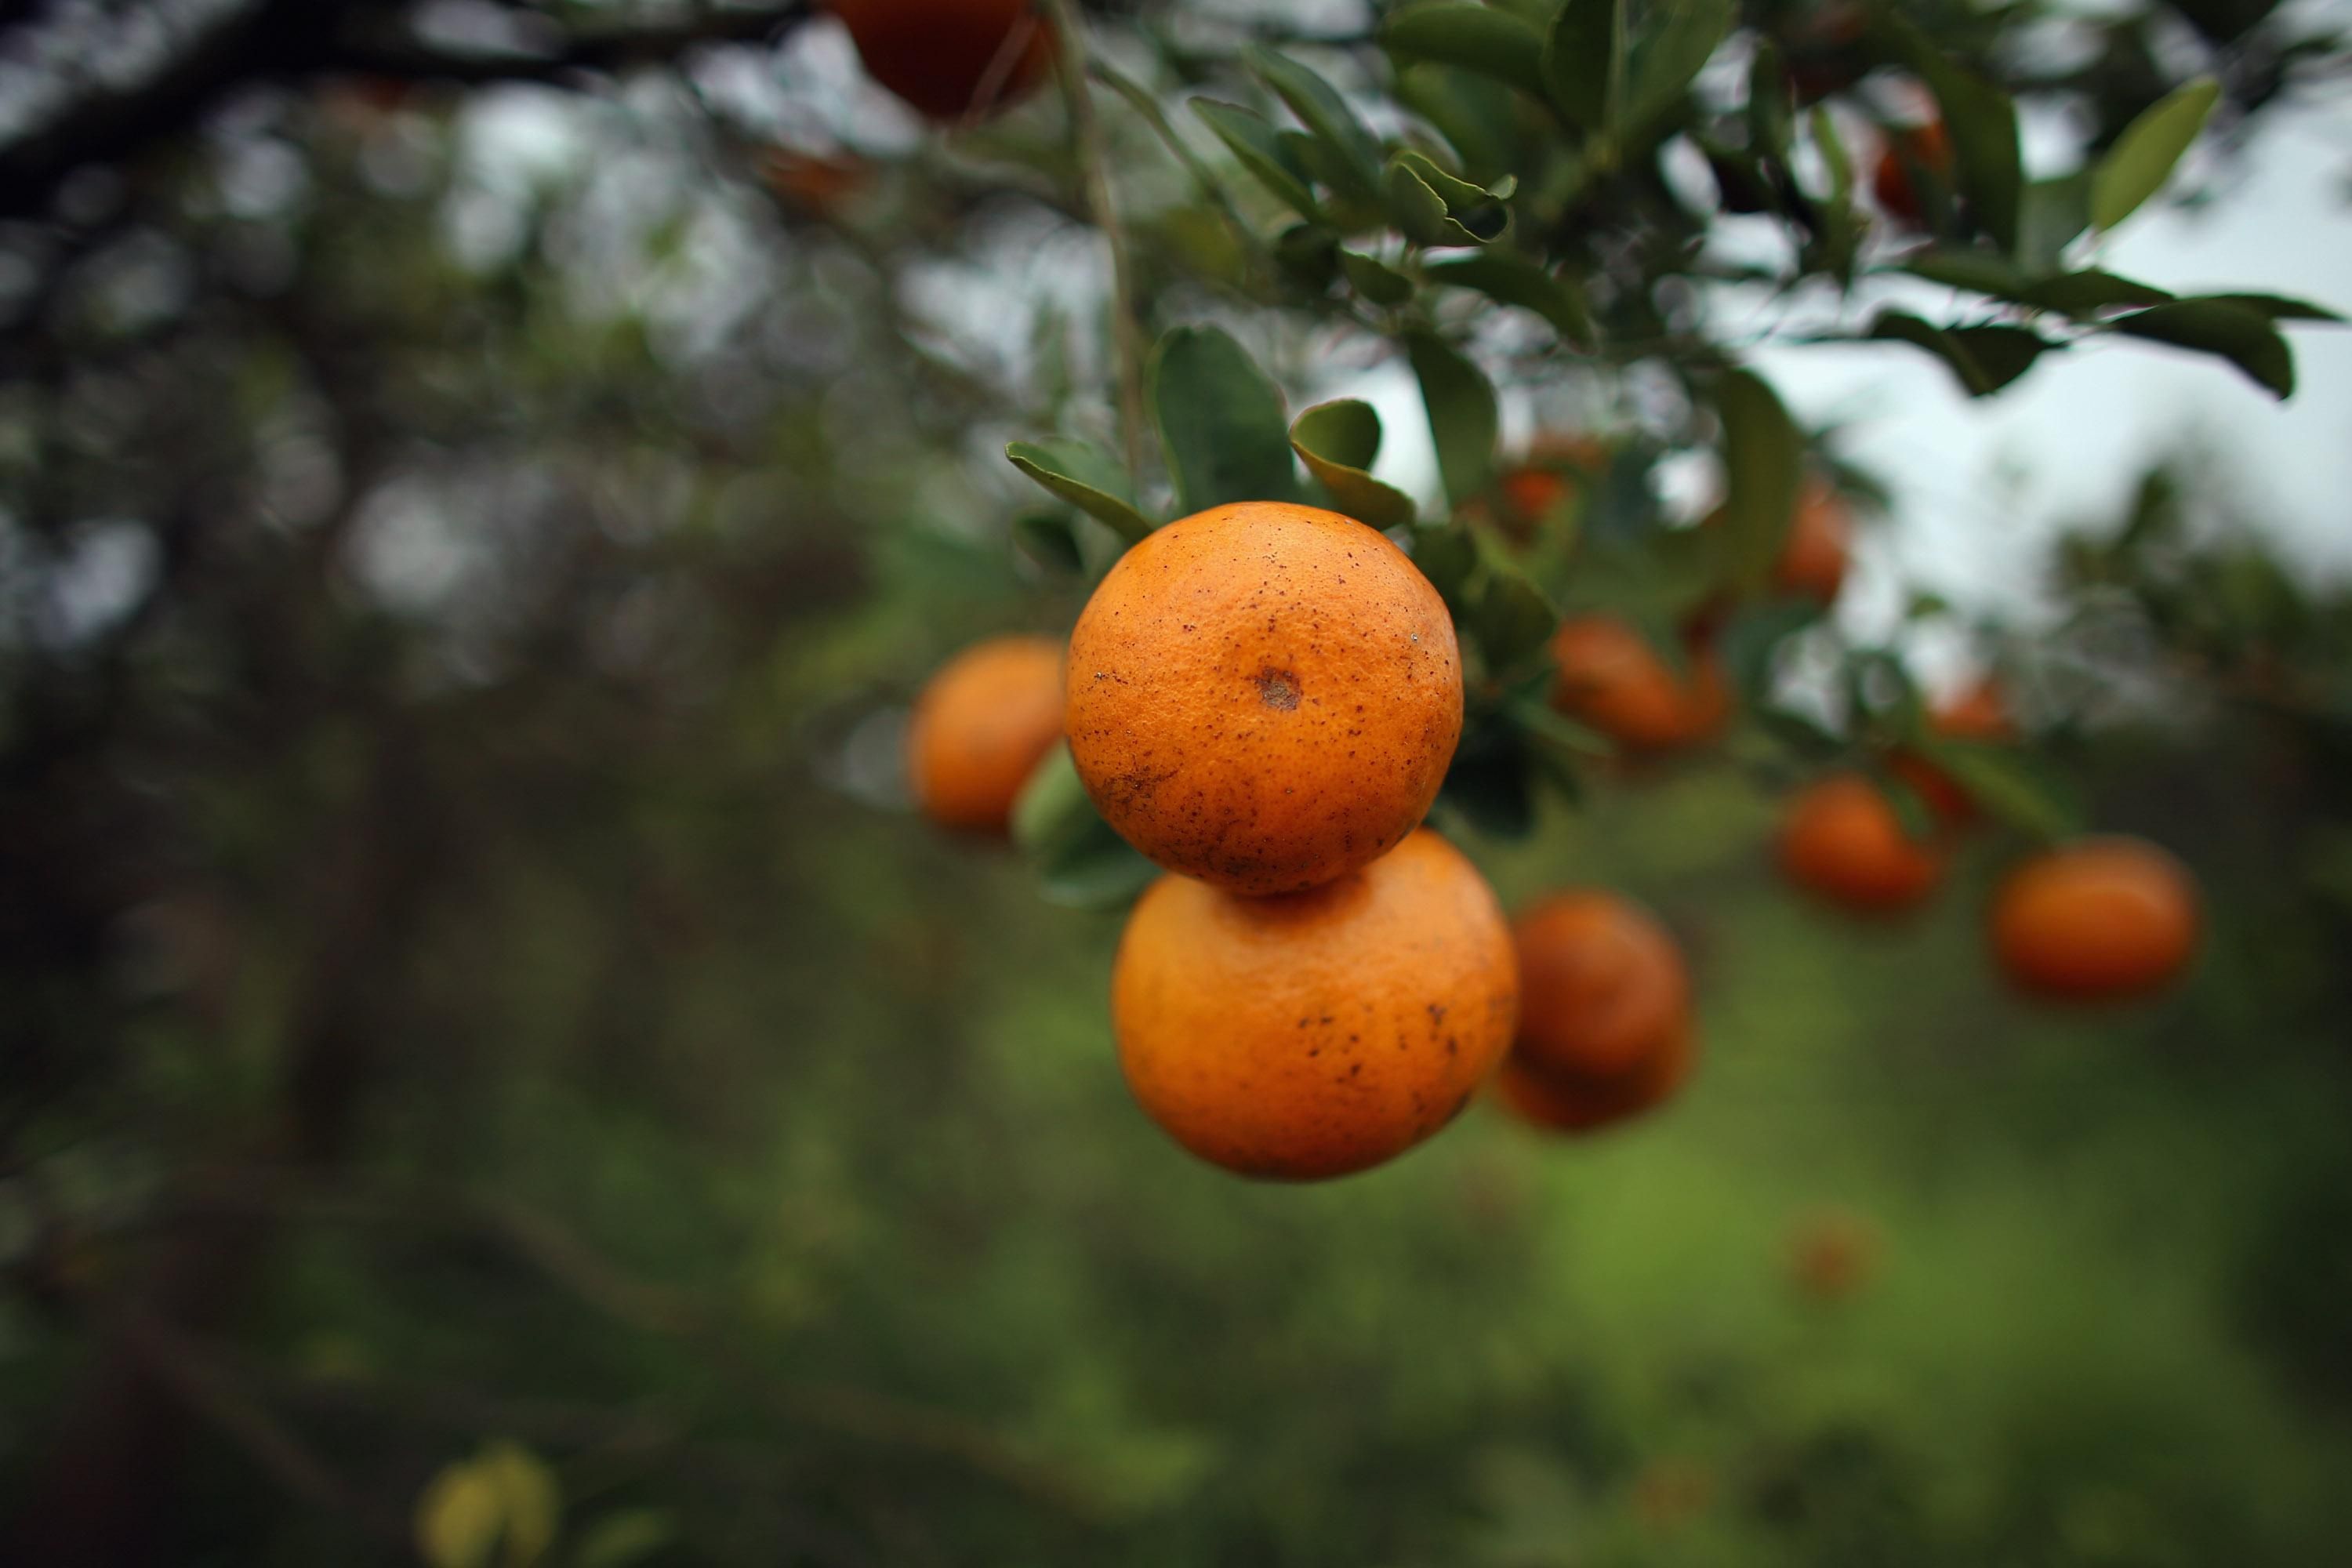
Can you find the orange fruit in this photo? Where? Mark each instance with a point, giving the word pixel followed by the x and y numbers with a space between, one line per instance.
pixel 1601 985
pixel 1583 1102
pixel 1319 1033
pixel 1263 696
pixel 1841 840
pixel 951 59
pixel 2095 920
pixel 1812 560
pixel 981 726
pixel 1977 714
pixel 1927 147
pixel 1611 679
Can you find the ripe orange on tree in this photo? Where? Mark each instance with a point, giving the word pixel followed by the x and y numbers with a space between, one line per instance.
pixel 951 59
pixel 981 725
pixel 1814 559
pixel 1611 678
pixel 1545 480
pixel 1841 839
pixel 1925 147
pixel 1263 696
pixel 1604 1013
pixel 2097 920
pixel 1318 1033
pixel 1977 714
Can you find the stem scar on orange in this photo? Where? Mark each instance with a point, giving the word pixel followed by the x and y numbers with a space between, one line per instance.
pixel 1320 1032
pixel 981 726
pixel 1263 696
pixel 1842 840
pixel 1614 681
pixel 1601 985
pixel 951 59
pixel 2097 920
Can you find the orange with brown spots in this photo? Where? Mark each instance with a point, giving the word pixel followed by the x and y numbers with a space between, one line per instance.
pixel 1841 839
pixel 2097 920
pixel 1585 1102
pixel 1320 1032
pixel 1601 985
pixel 1263 696
pixel 1611 679
pixel 953 59
pixel 981 726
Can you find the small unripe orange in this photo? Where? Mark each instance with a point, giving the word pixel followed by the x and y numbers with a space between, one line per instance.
pixel 1614 681
pixel 2097 919
pixel 980 727
pixel 1841 839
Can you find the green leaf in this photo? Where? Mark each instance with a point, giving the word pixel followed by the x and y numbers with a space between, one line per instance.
pixel 2087 292
pixel 1541 720
pixel 2050 213
pixel 2278 307
pixel 1476 37
pixel 1052 809
pixel 2007 782
pixel 1375 281
pixel 459 1517
pixel 1433 207
pixel 1985 359
pixel 1771 103
pixel 1220 421
pixel 1256 147
pixel 1682 36
pixel 1487 785
pixel 1309 253
pixel 2143 157
pixel 1980 270
pixel 2238 333
pixel 1320 107
pixel 1513 278
pixel 1045 537
pixel 1514 618
pixel 618 1540
pixel 1099 871
pixel 1763 459
pixel 1982 124
pixel 1338 442
pixel 1833 155
pixel 1448 556
pixel 1584 62
pixel 1078 474
pixel 1462 412
pixel 1480 119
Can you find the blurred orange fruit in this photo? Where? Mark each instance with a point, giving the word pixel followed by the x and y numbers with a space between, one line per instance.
pixel 981 726
pixel 813 182
pixel 1925 147
pixel 1263 696
pixel 1320 1032
pixel 1814 559
pixel 1841 839
pixel 2097 920
pixel 1977 714
pixel 1611 678
pixel 952 59
pixel 1584 1102
pixel 1601 985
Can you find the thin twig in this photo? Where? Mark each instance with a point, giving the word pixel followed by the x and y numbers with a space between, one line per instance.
pixel 1212 188
pixel 1094 162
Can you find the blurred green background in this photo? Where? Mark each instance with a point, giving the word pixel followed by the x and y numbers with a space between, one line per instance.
pixel 479 1014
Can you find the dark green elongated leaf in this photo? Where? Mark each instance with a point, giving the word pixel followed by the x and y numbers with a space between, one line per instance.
pixel 1512 278
pixel 1433 207
pixel 1476 37
pixel 1980 270
pixel 1771 103
pixel 2278 307
pixel 1309 253
pixel 1461 413
pixel 1584 62
pixel 1257 148
pixel 1220 421
pixel 1376 282
pixel 1749 644
pixel 1448 557
pixel 1322 109
pixel 1679 39
pixel 1797 733
pixel 2087 292
pixel 1052 809
pixel 1985 359
pixel 2050 214
pixel 1081 863
pixel 1541 720
pixel 1514 618
pixel 1338 442
pixel 2143 157
pixel 2244 336
pixel 1480 118
pixel 1488 786
pixel 1763 459
pixel 1086 479
pixel 2009 782
pixel 1045 537
pixel 1982 124
pixel 1833 155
